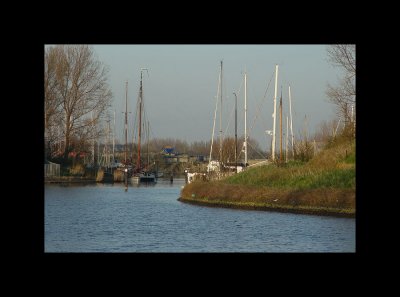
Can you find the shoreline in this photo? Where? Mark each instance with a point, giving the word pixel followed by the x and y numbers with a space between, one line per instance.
pixel 320 211
pixel 87 180
pixel 69 180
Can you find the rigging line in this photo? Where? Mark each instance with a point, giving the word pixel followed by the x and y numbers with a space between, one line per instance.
pixel 240 87
pixel 229 119
pixel 241 151
pixel 256 150
pixel 260 105
pixel 215 116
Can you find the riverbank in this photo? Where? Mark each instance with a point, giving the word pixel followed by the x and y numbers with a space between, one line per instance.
pixel 69 179
pixel 325 185
pixel 282 204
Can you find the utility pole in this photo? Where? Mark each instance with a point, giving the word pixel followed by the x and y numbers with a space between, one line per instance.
pixel 274 114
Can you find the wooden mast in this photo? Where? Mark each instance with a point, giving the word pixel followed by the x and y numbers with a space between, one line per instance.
pixel 140 122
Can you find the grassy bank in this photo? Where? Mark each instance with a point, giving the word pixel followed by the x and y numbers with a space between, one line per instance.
pixel 324 185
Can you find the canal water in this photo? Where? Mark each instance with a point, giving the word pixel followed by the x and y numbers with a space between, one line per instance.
pixel 105 218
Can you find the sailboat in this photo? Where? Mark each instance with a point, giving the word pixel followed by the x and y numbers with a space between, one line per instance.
pixel 141 172
pixel 214 167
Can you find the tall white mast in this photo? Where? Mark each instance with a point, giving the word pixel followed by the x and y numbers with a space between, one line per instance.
pixel 113 154
pixel 215 117
pixel 126 137
pixel 274 115
pixel 108 157
pixel 212 137
pixel 92 135
pixel 220 121
pixel 291 121
pixel 245 119
pixel 287 135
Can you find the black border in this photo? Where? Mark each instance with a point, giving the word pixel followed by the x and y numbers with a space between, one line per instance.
pixel 308 33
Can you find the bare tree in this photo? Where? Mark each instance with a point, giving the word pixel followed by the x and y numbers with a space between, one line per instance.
pixel 343 95
pixel 326 130
pixel 77 88
pixel 51 99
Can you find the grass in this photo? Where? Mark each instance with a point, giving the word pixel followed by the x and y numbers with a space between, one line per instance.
pixel 325 184
pixel 304 177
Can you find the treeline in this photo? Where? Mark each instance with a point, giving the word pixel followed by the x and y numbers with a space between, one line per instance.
pixel 156 145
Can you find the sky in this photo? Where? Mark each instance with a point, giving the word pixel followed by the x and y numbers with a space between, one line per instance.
pixel 181 86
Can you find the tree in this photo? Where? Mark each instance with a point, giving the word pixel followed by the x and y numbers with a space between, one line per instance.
pixel 51 100
pixel 344 94
pixel 77 94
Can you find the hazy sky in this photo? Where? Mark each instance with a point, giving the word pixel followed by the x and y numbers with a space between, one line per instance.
pixel 180 90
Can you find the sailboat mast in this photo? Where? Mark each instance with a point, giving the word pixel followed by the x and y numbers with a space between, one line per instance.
pixel 140 120
pixel 91 114
pixel 108 157
pixel 212 136
pixel 280 119
pixel 235 131
pixel 114 140
pixel 148 136
pixel 274 115
pixel 245 119
pixel 287 138
pixel 291 121
pixel 126 121
pixel 220 121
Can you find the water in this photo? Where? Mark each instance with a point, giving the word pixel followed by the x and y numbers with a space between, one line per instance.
pixel 105 218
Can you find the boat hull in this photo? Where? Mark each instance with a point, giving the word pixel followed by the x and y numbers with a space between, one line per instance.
pixel 143 178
